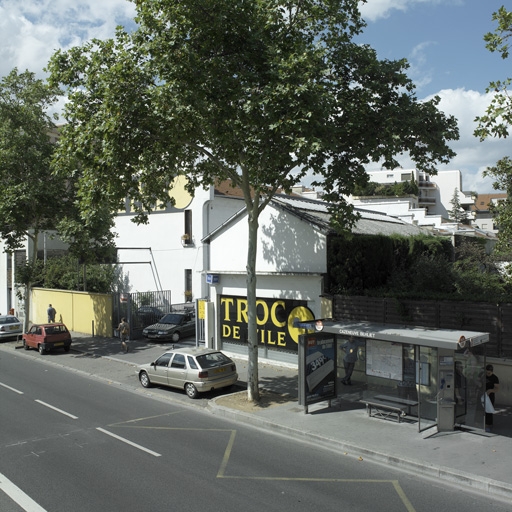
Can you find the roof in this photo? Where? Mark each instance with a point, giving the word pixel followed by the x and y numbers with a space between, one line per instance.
pixel 483 201
pixel 370 222
pixel 412 335
pixel 315 212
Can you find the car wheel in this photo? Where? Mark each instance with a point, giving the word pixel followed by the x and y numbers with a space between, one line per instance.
pixel 25 346
pixel 191 390
pixel 41 349
pixel 175 337
pixel 144 380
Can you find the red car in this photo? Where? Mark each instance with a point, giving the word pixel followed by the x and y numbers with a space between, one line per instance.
pixel 46 337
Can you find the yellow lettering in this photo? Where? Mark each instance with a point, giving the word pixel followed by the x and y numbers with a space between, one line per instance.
pixel 275 305
pixel 264 306
pixel 280 339
pixel 226 302
pixel 241 310
pixel 236 332
pixel 226 331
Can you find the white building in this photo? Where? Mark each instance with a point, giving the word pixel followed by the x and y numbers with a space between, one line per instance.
pixel 430 208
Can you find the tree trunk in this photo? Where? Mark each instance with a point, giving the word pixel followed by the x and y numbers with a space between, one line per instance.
pixel 253 392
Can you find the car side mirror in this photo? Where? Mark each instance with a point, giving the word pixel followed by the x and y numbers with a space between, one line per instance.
pixel 153 363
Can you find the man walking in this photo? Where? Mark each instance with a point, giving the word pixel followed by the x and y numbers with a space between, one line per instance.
pixel 124 331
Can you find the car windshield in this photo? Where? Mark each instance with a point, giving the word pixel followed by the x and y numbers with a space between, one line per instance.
pixel 171 319
pixel 8 320
pixel 212 360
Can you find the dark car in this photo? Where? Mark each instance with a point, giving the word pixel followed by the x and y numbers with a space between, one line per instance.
pixel 171 327
pixel 46 337
pixel 148 315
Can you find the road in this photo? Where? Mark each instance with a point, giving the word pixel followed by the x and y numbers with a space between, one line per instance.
pixel 71 442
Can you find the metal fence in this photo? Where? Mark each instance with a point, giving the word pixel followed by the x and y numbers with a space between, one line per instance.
pixel 140 309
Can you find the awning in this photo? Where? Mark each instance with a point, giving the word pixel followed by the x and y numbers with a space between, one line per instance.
pixel 453 339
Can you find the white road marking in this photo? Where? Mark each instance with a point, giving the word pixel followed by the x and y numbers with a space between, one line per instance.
pixel 129 442
pixel 12 389
pixel 55 409
pixel 18 496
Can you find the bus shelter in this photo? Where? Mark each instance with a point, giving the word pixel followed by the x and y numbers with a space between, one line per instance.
pixel 438 373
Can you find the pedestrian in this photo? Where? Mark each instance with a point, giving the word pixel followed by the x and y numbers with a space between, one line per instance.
pixel 349 360
pixel 124 331
pixel 492 385
pixel 51 314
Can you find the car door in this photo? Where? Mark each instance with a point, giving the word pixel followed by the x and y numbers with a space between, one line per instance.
pixel 34 336
pixel 177 371
pixel 189 327
pixel 158 370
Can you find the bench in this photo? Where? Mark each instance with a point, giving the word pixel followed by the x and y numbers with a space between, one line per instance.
pixel 386 407
pixel 398 400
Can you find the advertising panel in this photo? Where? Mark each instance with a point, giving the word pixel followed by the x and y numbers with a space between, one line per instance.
pixel 275 319
pixel 317 368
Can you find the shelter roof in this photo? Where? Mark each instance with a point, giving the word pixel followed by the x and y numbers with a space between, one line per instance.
pixel 412 335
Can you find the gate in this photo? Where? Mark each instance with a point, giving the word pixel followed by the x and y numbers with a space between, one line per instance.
pixel 140 309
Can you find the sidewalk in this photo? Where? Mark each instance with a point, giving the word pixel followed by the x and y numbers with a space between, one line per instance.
pixel 481 462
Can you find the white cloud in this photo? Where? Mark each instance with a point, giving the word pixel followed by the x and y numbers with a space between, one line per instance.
pixel 373 10
pixel 32 31
pixel 473 156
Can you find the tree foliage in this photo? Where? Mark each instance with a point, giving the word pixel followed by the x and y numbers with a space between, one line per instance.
pixel 457 213
pixel 31 196
pixel 417 267
pixel 261 92
pixel 403 188
pixel 496 122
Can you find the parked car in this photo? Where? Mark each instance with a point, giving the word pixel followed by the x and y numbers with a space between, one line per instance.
pixel 195 370
pixel 10 326
pixel 171 327
pixel 46 337
pixel 149 315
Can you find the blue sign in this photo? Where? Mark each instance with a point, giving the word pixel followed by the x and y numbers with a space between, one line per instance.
pixel 212 278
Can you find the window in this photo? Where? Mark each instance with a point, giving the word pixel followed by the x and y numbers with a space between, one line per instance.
pixel 163 360
pixel 178 361
pixel 188 224
pixel 188 284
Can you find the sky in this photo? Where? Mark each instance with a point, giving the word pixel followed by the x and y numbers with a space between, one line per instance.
pixel 441 39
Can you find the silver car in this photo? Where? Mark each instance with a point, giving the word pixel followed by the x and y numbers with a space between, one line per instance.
pixel 10 326
pixel 195 370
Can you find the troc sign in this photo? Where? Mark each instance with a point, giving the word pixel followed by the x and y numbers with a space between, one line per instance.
pixel 274 317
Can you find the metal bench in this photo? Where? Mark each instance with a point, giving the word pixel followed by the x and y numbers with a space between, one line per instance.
pixel 386 407
pixel 398 400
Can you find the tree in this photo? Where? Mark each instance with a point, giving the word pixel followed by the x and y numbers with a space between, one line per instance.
pixel 457 213
pixel 261 92
pixel 496 123
pixel 31 197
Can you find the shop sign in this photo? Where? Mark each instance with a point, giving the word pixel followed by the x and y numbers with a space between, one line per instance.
pixel 275 319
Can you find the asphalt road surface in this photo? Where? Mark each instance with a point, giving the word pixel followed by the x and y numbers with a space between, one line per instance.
pixel 72 443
